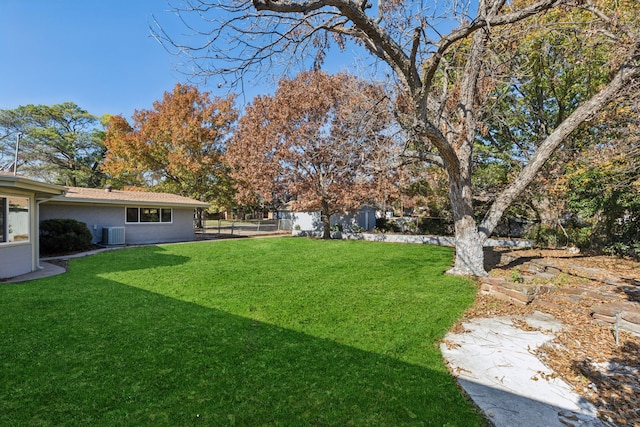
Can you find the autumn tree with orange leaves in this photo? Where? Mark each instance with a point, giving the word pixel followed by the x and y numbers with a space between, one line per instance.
pixel 176 147
pixel 318 140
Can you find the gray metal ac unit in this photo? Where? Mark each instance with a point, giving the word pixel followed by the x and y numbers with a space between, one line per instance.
pixel 113 236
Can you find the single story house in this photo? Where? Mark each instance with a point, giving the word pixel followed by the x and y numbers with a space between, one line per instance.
pixel 20 202
pixel 113 216
pixel 117 217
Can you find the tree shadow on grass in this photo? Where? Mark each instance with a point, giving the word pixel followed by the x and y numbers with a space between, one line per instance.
pixel 120 355
pixel 112 261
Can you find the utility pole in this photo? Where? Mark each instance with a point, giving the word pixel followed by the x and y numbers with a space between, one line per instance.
pixel 15 160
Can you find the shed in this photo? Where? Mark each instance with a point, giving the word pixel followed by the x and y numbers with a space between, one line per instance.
pixel 362 220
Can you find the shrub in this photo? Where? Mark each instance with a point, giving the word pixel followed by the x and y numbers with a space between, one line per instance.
pixel 435 226
pixel 544 236
pixel 382 225
pixel 394 226
pixel 622 249
pixel 385 225
pixel 59 236
pixel 558 237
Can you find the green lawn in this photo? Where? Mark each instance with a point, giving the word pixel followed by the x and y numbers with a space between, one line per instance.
pixel 256 332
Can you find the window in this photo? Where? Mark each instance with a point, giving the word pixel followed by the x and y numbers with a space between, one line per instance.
pixel 149 215
pixel 146 215
pixel 14 219
pixel 132 214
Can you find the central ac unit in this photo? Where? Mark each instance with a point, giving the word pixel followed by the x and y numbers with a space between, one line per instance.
pixel 112 236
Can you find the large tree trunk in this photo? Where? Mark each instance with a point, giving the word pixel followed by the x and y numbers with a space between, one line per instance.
pixel 546 211
pixel 469 242
pixel 470 237
pixel 325 217
pixel 469 259
pixel 199 218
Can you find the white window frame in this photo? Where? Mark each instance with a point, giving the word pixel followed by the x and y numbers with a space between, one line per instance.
pixel 7 222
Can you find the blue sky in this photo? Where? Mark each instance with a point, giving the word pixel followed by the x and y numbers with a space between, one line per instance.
pixel 96 53
pixel 100 55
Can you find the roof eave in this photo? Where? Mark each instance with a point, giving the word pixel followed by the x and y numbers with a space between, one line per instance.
pixel 142 203
pixel 42 190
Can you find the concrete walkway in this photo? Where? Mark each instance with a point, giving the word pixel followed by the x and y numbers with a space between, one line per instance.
pixel 494 362
pixel 48 269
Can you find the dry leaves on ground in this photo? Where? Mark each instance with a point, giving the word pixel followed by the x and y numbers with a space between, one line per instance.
pixel 584 353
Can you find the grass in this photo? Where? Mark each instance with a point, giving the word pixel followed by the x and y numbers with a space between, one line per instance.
pixel 255 332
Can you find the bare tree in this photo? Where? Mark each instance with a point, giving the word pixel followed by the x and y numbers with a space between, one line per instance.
pixel 446 70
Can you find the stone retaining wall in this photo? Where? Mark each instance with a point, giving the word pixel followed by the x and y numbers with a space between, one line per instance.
pixel 607 289
pixel 410 238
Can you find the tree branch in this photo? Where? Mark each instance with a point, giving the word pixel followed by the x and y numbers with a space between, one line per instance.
pixel 413 156
pixel 493 20
pixel 375 38
pixel 626 74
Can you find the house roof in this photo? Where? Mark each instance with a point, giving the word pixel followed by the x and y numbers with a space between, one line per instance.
pixel 40 189
pixel 120 197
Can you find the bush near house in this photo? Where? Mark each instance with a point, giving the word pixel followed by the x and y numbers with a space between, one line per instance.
pixel 64 235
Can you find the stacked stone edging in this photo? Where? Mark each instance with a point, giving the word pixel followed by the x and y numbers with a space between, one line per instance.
pixel 625 314
pixel 521 293
pixel 527 291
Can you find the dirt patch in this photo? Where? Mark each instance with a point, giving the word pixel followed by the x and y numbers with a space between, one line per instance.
pixel 601 361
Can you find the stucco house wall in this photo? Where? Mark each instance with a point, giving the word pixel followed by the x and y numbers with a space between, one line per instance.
pixel 180 230
pixel 19 240
pixel 100 209
pixel 98 217
pixel 19 236
pixel 94 216
pixel 15 259
pixel 362 220
pixel 307 221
